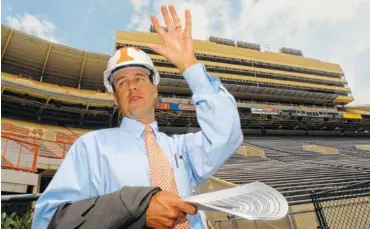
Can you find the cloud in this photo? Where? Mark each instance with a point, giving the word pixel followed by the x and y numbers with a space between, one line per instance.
pixel 140 15
pixel 202 17
pixel 333 30
pixel 32 25
pixel 204 14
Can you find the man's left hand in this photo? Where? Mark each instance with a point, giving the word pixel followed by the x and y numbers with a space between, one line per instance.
pixel 178 44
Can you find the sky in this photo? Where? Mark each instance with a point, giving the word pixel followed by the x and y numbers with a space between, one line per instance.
pixel 336 31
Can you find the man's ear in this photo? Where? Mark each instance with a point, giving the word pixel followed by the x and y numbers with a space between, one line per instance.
pixel 155 92
pixel 115 97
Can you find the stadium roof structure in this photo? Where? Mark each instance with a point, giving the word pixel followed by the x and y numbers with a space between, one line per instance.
pixel 50 62
pixel 359 107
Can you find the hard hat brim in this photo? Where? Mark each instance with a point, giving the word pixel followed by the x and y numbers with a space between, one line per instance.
pixel 107 73
pixel 146 70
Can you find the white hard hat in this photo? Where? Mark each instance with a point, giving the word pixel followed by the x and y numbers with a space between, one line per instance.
pixel 129 57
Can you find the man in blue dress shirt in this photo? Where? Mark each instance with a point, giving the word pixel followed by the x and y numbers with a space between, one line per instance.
pixel 105 179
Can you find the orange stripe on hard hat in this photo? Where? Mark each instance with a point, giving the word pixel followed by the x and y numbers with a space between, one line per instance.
pixel 124 55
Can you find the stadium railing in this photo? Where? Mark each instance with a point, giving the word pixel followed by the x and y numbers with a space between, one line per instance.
pixel 18 154
pixel 20 148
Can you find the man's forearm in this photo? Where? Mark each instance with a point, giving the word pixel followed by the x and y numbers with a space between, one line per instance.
pixel 218 117
pixel 122 209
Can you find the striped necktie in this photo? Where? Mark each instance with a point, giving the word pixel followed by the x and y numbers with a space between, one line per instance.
pixel 160 171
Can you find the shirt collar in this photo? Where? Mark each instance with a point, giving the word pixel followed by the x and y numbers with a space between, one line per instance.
pixel 137 128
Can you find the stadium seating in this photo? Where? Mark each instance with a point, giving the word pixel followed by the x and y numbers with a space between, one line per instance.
pixel 51 149
pixel 152 29
pixel 248 45
pixel 345 145
pixel 291 51
pixel 222 41
pixel 293 171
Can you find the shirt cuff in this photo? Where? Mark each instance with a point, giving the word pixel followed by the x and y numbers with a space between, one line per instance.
pixel 198 80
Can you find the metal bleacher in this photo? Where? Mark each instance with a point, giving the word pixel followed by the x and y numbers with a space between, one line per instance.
pixel 345 145
pixel 294 172
pixel 291 150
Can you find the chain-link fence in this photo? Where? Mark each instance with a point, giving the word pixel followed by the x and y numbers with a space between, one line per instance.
pixel 346 207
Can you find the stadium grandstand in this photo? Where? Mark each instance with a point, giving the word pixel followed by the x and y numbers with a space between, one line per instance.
pixel 300 136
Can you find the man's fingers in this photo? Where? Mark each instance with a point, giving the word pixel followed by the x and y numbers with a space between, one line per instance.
pixel 167 18
pixel 169 223
pixel 156 48
pixel 187 23
pixel 175 17
pixel 187 208
pixel 176 214
pixel 157 26
pixel 181 215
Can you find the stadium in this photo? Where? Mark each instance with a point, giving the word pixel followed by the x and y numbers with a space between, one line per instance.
pixel 300 137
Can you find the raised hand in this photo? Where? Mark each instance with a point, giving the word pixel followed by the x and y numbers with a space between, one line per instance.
pixel 178 44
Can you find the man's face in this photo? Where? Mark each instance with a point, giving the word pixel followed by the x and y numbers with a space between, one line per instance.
pixel 134 93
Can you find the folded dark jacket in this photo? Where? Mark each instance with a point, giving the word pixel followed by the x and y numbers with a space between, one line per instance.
pixel 125 208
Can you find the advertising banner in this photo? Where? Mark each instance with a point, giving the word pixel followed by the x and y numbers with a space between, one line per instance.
pixel 268 111
pixel 174 106
pixel 187 107
pixel 162 106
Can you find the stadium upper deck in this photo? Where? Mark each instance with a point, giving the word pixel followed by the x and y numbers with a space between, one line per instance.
pixel 251 74
pixel 56 84
pixel 286 77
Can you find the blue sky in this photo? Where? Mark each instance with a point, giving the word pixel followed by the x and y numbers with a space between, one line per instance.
pixel 78 24
pixel 332 30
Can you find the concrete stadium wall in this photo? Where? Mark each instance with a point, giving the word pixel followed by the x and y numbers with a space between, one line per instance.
pixel 303 216
pixel 320 149
pixel 17 181
pixel 48 163
pixel 250 151
pixel 363 147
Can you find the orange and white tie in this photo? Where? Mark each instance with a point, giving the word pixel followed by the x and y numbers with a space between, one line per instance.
pixel 160 171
